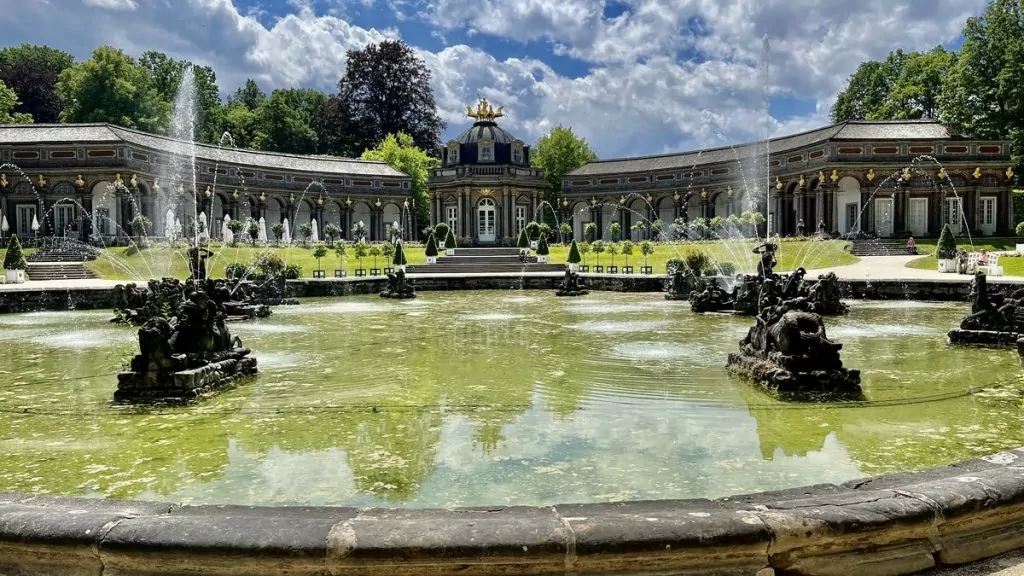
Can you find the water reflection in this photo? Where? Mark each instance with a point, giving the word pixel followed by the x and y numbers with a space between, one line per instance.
pixel 492 398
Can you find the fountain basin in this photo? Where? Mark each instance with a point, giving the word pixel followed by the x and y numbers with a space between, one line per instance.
pixel 153 385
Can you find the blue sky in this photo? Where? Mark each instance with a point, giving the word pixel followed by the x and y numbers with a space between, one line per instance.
pixel 631 76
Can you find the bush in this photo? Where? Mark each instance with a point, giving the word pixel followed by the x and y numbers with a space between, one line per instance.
pixel 1020 229
pixel 673 264
pixel 269 264
pixel 15 258
pixel 542 246
pixel 574 254
pixel 523 241
pixel 727 268
pixel 235 271
pixel 431 250
pixel 293 272
pixel 946 248
pixel 449 240
pixel 697 262
pixel 442 230
pixel 533 229
pixel 464 241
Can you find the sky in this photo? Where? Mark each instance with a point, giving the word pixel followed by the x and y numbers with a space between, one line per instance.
pixel 633 77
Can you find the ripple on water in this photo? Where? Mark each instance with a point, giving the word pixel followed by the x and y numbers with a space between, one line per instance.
pixel 662 351
pixel 335 308
pixel 267 328
pixel 84 339
pixel 899 304
pixel 876 330
pixel 492 317
pixel 520 299
pixel 607 326
pixel 272 360
pixel 597 307
pixel 49 318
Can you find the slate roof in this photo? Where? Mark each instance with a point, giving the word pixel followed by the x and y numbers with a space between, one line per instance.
pixel 852 130
pixel 50 134
pixel 488 130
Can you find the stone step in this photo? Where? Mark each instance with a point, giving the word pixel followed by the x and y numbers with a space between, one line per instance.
pixel 464 252
pixel 58 271
pixel 483 269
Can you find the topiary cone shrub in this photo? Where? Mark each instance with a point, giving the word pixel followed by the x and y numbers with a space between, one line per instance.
pixel 946 248
pixel 449 241
pixel 15 258
pixel 431 250
pixel 524 241
pixel 574 254
pixel 399 259
pixel 542 248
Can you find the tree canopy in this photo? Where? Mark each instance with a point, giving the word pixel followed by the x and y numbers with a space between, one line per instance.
pixel 556 154
pixel 8 105
pixel 31 72
pixel 906 86
pixel 111 87
pixel 401 153
pixel 166 74
pixel 385 90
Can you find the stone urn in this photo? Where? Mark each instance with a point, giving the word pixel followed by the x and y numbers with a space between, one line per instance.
pixel 14 276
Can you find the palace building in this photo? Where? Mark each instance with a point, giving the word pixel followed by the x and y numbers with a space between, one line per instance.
pixel 88 181
pixel 485 188
pixel 890 179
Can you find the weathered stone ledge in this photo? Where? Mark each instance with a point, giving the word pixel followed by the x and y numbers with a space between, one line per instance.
pixel 888 525
pixel 956 288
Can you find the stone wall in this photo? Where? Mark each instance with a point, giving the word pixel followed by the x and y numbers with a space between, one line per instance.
pixel 887 525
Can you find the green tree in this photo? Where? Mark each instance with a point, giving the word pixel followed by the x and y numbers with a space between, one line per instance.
pixel 946 247
pixel 248 96
pixel 111 87
pixel 401 152
pixel 556 154
pixel 542 246
pixel 574 254
pixel 399 257
pixel 32 72
pixel 282 122
pixel 865 93
pixel 386 90
pixel 918 88
pixel 319 251
pixel 8 104
pixel 167 74
pixel 431 249
pixel 524 241
pixel 983 95
pixel 14 259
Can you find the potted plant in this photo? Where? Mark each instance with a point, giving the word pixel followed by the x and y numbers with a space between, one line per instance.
pixel 431 250
pixel 613 249
pixel 253 229
pixel 442 231
pixel 307 231
pixel 140 226
pixel 574 258
pixel 566 229
pixel 597 247
pixel 590 232
pixel 523 242
pixel 339 251
pixel 945 251
pixel 387 250
pixel 533 230
pixel 646 248
pixel 332 231
pixel 319 251
pixel 450 243
pixel 278 230
pixel 374 252
pixel 542 249
pixel 615 229
pixel 656 227
pixel 14 262
pixel 398 260
pixel 361 250
pixel 236 231
pixel 584 248
pixel 545 230
pixel 359 231
pixel 627 250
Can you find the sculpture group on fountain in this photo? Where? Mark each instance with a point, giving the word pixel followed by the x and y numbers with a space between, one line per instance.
pixel 996 318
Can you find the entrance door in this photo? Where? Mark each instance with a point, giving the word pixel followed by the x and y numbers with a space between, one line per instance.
pixel 883 217
pixel 987 216
pixel 485 220
pixel 26 214
pixel 917 219
pixel 64 223
pixel 852 217
pixel 954 215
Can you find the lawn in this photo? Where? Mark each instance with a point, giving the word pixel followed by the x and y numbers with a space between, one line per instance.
pixel 1012 265
pixel 160 261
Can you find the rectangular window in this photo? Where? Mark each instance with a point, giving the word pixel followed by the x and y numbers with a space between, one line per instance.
pixel 517 155
pixel 26 214
pixel 452 217
pixel 485 153
pixel 988 211
pixel 520 219
pixel 102 221
pixel 453 154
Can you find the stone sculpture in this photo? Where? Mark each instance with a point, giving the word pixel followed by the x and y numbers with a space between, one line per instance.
pixel 787 350
pixel 708 296
pixel 161 298
pixel 398 286
pixel 571 285
pixel 186 355
pixel 768 261
pixel 822 296
pixel 679 286
pixel 996 319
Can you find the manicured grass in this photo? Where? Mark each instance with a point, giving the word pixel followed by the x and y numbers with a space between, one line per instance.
pixel 1012 265
pixel 160 261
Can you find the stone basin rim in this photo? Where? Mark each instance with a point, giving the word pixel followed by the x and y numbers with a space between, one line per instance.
pixel 898 523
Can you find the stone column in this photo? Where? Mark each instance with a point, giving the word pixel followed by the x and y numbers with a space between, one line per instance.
pixel 819 207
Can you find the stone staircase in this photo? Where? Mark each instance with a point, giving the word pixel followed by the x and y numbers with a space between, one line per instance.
pixel 483 261
pixel 877 247
pixel 60 262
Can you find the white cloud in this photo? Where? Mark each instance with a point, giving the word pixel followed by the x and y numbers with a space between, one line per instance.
pixel 639 96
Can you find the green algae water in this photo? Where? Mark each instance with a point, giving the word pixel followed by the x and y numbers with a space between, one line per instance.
pixel 481 398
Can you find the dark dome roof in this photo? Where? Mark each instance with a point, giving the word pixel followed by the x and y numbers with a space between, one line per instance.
pixel 485 130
